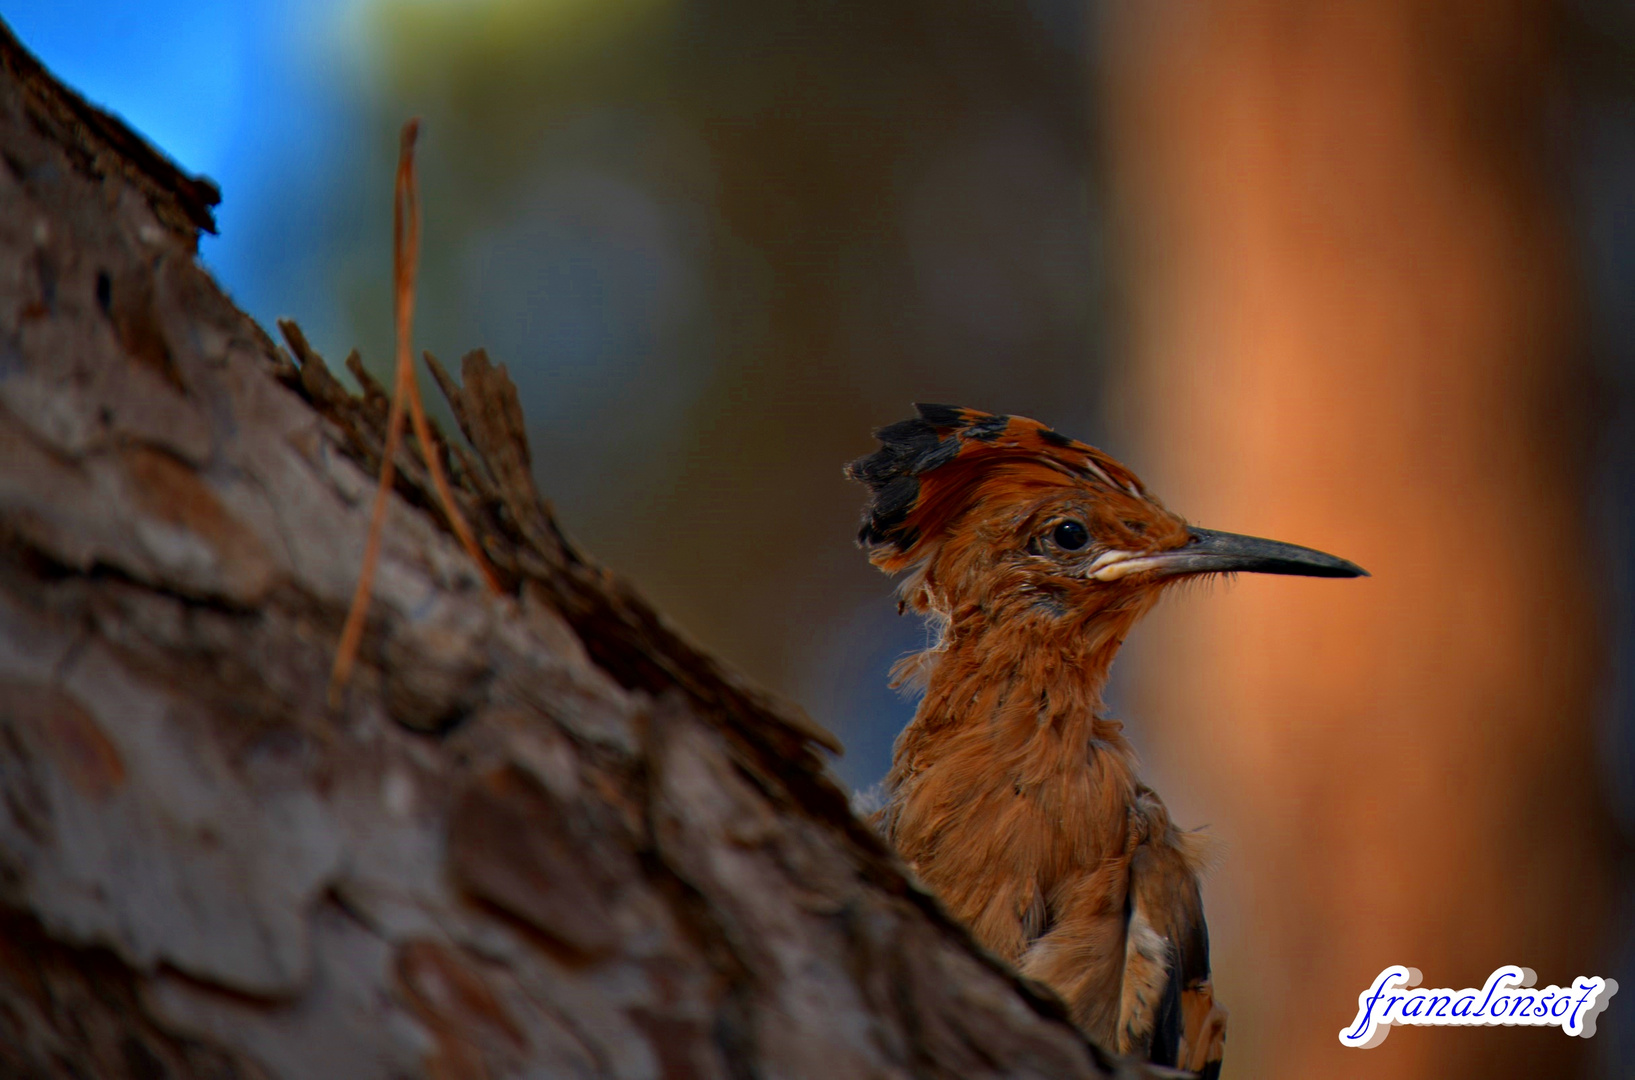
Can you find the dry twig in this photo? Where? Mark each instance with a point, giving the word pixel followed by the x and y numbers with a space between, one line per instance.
pixel 406 387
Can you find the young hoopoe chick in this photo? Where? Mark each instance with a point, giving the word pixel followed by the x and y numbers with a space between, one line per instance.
pixel 1010 794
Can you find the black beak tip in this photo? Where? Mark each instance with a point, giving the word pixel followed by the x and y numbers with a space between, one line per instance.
pixel 1345 568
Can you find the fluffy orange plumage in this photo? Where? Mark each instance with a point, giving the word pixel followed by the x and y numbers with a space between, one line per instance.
pixel 1011 794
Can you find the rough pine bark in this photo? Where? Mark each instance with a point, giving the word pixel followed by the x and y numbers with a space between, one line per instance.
pixel 543 836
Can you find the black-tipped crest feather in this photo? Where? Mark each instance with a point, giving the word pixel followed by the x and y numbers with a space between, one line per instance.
pixel 908 449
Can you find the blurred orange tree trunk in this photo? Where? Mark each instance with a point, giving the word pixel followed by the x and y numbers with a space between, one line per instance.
pixel 1354 326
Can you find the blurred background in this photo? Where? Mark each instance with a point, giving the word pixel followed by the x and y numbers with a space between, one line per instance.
pixel 1354 275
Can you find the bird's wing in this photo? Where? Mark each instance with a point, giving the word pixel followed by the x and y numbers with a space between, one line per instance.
pixel 1168 1004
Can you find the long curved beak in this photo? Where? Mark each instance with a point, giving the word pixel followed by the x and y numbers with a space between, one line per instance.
pixel 1211 552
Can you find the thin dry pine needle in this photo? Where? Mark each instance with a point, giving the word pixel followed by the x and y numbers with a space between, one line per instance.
pixel 406 387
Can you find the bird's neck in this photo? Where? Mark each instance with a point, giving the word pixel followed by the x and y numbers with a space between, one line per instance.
pixel 1021 688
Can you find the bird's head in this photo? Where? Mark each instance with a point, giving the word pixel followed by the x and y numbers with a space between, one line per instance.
pixel 1004 516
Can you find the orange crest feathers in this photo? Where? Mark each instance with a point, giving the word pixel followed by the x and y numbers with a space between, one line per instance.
pixel 930 469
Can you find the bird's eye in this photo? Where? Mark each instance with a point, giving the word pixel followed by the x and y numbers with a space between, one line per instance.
pixel 1070 535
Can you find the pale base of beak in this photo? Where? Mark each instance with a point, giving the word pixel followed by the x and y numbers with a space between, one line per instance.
pixel 1115 564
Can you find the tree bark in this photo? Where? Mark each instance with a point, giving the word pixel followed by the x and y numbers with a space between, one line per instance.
pixel 543 836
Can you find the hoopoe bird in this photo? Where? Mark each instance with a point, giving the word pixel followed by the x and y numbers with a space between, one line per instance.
pixel 1011 794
